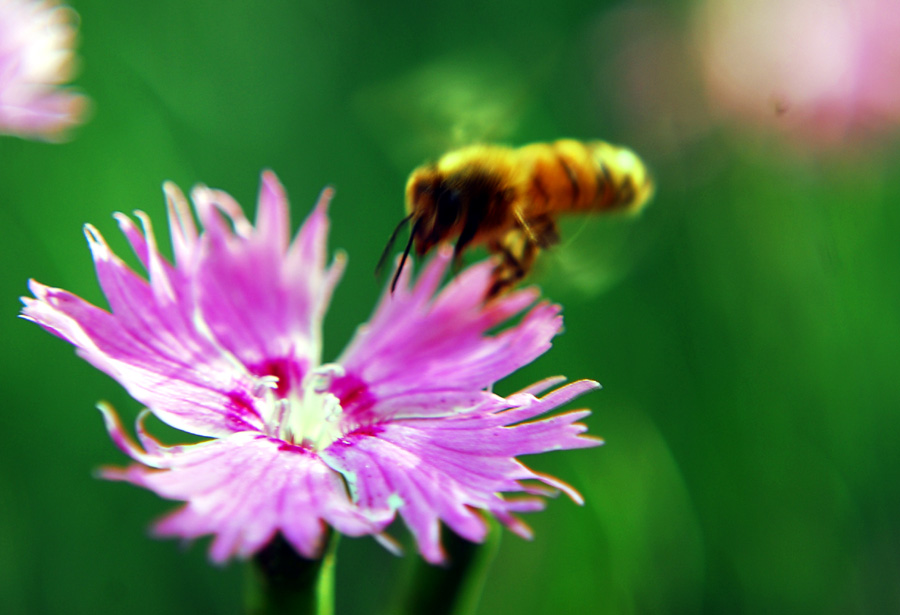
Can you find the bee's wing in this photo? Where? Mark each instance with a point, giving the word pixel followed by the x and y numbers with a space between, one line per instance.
pixel 595 254
pixel 442 105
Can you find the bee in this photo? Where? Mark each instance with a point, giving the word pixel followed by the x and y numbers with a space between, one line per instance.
pixel 507 199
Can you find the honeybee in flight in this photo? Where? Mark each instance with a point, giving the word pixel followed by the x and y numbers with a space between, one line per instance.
pixel 507 199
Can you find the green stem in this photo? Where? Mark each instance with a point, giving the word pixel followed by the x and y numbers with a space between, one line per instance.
pixel 469 594
pixel 281 582
pixel 455 588
pixel 325 583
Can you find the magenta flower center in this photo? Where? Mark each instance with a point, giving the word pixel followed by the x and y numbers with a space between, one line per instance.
pixel 310 408
pixel 289 373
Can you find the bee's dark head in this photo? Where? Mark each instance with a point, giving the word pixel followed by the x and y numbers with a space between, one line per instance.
pixel 438 209
pixel 442 206
pixel 434 211
pixel 433 199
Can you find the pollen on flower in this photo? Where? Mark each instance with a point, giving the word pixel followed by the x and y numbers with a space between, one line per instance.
pixel 225 343
pixel 314 418
pixel 395 501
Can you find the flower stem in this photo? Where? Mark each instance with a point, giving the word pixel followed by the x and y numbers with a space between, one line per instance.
pixel 325 582
pixel 281 582
pixel 472 586
pixel 454 589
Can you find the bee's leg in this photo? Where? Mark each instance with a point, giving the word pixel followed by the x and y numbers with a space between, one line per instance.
pixel 529 253
pixel 519 249
pixel 517 258
pixel 470 229
pixel 525 225
pixel 507 271
pixel 545 231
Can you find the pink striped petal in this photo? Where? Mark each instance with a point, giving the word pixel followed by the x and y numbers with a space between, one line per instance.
pixel 245 488
pixel 441 470
pixel 445 336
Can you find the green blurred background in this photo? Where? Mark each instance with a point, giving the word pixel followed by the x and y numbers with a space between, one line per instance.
pixel 745 328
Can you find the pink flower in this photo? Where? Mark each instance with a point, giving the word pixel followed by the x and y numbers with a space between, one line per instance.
pixel 36 40
pixel 823 71
pixel 225 343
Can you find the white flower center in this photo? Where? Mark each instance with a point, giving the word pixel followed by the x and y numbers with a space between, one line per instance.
pixel 313 417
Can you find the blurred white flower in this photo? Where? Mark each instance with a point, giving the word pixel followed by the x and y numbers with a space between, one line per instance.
pixel 36 42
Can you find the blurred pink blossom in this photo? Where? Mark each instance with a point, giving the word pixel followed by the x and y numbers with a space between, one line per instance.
pixel 826 71
pixel 36 55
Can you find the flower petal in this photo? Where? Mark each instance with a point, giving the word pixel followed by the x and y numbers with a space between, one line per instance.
pixel 187 388
pixel 445 337
pixel 245 488
pixel 442 469
pixel 194 343
pixel 261 299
